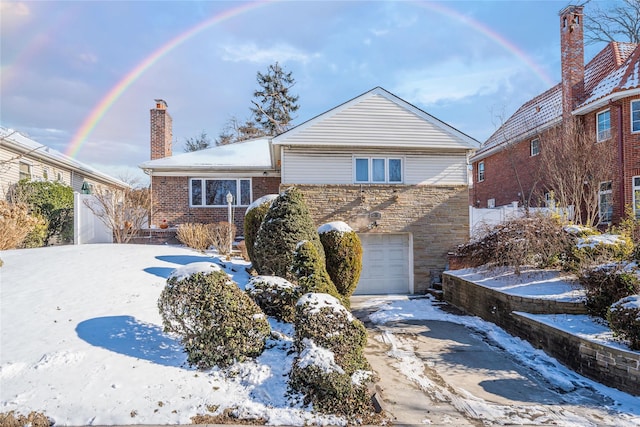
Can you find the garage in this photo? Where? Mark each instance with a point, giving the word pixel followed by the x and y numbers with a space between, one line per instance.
pixel 387 264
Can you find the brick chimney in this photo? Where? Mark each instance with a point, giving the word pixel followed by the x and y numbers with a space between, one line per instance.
pixel 572 52
pixel 161 131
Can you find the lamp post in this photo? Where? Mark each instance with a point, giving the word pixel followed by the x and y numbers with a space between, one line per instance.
pixel 229 201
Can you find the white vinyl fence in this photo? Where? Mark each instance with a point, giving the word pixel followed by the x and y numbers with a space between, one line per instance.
pixel 87 227
pixel 481 218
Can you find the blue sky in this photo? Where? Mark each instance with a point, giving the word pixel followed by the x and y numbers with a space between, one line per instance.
pixel 471 64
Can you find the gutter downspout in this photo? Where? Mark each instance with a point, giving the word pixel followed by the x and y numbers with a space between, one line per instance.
pixel 623 178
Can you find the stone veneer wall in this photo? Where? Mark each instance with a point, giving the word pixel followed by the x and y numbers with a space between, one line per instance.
pixel 436 216
pixel 609 366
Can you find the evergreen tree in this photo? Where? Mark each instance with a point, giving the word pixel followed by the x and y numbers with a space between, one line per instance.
pixel 274 102
pixel 197 143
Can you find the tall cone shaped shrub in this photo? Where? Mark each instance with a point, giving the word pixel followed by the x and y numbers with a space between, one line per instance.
pixel 311 273
pixel 252 219
pixel 286 223
pixel 343 252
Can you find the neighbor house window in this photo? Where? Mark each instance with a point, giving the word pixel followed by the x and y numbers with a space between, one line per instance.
pixel 635 116
pixel 378 170
pixel 636 196
pixel 213 192
pixel 535 147
pixel 25 170
pixel 45 174
pixel 604 125
pixel 480 171
pixel 605 205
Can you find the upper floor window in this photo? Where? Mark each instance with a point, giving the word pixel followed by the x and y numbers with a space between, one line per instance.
pixel 25 170
pixel 213 192
pixel 635 116
pixel 535 147
pixel 603 120
pixel 480 171
pixel 605 202
pixel 378 170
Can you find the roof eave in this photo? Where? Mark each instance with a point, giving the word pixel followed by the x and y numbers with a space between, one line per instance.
pixel 601 102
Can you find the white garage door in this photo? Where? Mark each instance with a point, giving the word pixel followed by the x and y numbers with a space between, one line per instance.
pixel 386 264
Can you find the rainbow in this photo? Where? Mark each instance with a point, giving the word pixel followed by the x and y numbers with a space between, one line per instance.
pixel 112 96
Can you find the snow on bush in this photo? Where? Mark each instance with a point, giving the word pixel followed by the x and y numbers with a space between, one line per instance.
pixel 276 296
pixel 596 249
pixel 608 283
pixel 343 253
pixel 216 322
pixel 624 319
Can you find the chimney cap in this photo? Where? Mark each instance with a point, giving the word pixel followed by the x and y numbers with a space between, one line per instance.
pixel 161 104
pixel 572 8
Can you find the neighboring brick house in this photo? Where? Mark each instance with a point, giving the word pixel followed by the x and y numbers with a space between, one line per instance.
pixel 603 94
pixel 397 175
pixel 192 187
pixel 23 158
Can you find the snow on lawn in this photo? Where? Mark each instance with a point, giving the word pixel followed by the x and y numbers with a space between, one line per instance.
pixel 81 340
pixel 542 284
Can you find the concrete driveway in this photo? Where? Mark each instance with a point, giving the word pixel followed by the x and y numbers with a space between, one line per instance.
pixel 441 373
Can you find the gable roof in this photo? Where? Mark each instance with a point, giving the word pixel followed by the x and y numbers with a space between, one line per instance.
pixel 610 72
pixel 377 118
pixel 252 154
pixel 16 141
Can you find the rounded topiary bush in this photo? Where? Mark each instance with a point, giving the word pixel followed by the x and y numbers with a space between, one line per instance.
pixel 310 271
pixel 624 319
pixel 324 320
pixel 217 322
pixel 606 284
pixel 343 253
pixel 286 223
pixel 328 387
pixel 253 218
pixel 276 296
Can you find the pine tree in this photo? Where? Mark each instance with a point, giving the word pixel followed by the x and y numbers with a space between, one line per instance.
pixel 274 102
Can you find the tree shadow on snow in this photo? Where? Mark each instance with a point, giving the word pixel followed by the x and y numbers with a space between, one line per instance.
pixel 128 336
pixel 185 259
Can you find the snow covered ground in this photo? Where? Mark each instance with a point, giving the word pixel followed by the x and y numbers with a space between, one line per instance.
pixel 81 340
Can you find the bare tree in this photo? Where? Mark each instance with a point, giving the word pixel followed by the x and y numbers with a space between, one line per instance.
pixel 197 143
pixel 574 166
pixel 620 21
pixel 125 211
pixel 235 131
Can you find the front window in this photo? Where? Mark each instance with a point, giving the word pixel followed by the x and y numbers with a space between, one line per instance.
pixel 480 171
pixel 379 170
pixel 605 205
pixel 635 116
pixel 213 192
pixel 604 125
pixel 25 170
pixel 636 196
pixel 535 147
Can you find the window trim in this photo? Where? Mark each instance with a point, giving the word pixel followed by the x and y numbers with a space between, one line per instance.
pixel 637 102
pixel 602 192
pixel 636 201
pixel 236 197
pixel 481 171
pixel 606 136
pixel 370 160
pixel 537 146
pixel 29 166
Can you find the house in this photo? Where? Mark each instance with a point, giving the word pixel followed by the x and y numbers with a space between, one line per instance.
pixel 603 95
pixel 395 174
pixel 192 187
pixel 23 158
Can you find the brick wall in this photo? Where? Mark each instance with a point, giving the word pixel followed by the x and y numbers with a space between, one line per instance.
pixel 436 216
pixel 161 131
pixel 171 195
pixel 612 367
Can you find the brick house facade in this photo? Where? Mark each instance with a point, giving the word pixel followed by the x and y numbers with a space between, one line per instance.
pixel 600 95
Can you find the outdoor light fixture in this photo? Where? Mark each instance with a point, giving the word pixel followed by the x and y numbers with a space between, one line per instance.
pixel 229 202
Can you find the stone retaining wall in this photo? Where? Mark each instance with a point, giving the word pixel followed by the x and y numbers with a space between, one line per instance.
pixel 609 366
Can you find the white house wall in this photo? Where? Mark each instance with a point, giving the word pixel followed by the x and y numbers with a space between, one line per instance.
pixel 308 166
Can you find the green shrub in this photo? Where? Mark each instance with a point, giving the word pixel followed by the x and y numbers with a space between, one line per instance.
pixel 217 323
pixel 624 320
pixel 276 296
pixel 597 249
pixel 286 223
pixel 607 284
pixel 37 236
pixel 253 218
pixel 343 252
pixel 324 320
pixel 536 240
pixel 329 388
pixel 51 200
pixel 311 273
